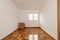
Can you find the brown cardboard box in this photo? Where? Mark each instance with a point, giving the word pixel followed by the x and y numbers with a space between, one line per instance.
pixel 21 25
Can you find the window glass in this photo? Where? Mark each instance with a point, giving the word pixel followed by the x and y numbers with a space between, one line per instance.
pixel 30 16
pixel 35 16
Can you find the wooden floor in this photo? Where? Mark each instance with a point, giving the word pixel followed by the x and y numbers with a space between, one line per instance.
pixel 23 34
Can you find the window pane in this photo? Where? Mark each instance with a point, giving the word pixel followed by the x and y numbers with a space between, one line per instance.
pixel 30 16
pixel 35 16
pixel 30 37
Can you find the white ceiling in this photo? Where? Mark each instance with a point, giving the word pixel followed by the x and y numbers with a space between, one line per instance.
pixel 29 4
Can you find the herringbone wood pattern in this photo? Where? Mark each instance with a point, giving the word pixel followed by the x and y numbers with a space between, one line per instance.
pixel 23 34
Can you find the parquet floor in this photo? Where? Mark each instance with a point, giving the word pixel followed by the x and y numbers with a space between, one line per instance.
pixel 23 34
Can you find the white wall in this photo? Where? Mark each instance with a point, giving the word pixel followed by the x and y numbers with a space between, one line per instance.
pixel 48 18
pixel 24 18
pixel 8 18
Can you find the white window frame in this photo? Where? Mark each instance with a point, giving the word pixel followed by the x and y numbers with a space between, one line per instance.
pixel 33 16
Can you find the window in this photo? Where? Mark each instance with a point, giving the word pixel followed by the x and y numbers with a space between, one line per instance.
pixel 33 37
pixel 30 16
pixel 33 16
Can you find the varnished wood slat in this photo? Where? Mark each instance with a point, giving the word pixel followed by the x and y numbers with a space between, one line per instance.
pixel 23 34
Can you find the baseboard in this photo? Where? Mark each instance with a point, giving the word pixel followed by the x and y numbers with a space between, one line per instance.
pixel 47 33
pixel 31 26
pixel 9 33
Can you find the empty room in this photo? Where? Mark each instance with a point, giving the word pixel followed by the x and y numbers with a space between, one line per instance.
pixel 29 20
